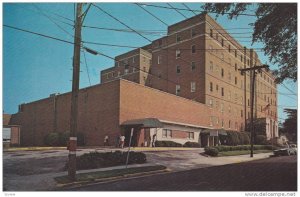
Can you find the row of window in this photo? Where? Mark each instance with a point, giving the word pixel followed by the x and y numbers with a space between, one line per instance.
pixel 168 133
pixel 215 121
pixel 220 105
pixel 222 92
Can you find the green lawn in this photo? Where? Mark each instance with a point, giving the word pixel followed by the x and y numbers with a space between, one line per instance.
pixel 241 152
pixel 92 176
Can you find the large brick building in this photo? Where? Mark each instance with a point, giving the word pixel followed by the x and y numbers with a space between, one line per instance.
pixel 177 86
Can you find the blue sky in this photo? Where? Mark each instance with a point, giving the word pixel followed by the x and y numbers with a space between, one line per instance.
pixel 35 67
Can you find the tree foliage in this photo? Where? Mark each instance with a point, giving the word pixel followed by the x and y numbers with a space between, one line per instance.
pixel 289 126
pixel 276 26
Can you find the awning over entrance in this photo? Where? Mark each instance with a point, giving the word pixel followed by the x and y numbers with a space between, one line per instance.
pixel 146 123
pixel 215 132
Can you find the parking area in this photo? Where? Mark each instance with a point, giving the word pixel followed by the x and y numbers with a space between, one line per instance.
pixel 34 170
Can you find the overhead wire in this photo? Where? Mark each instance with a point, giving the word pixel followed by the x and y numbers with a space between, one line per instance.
pixel 177 10
pixel 189 8
pixel 151 14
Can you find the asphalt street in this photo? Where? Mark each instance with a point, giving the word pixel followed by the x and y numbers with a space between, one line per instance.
pixel 272 174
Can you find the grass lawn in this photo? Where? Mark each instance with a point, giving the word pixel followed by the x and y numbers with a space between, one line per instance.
pixel 241 152
pixel 92 176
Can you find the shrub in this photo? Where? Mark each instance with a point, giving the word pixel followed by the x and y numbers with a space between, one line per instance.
pixel 99 159
pixel 62 138
pixel 167 144
pixel 242 147
pixel 192 144
pixel 261 139
pixel 232 138
pixel 212 151
pixel 52 139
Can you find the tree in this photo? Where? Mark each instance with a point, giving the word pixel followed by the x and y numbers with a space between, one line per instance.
pixel 289 126
pixel 276 26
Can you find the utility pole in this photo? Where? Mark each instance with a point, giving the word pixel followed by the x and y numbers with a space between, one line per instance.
pixel 74 98
pixel 252 92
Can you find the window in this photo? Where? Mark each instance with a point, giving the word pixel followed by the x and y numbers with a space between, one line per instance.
pixel 248 102
pixel 117 64
pixel 222 123
pixel 211 86
pixel 193 86
pixel 178 69
pixel 229 48
pixel 242 113
pixel 217 88
pixel 211 121
pixel 193 65
pixel 235 80
pixel 191 135
pixel 235 66
pixel 217 69
pixel 229 95
pixel 211 33
pixel 235 53
pixel 222 91
pixel 229 109
pixel 177 89
pixel 211 67
pixel 126 69
pixel 194 49
pixel 193 32
pixel 178 38
pixel 133 59
pixel 211 103
pixel 229 76
pixel 167 133
pixel 222 42
pixel 222 72
pixel 241 58
pixel 158 59
pixel 229 124
pixel 177 53
pixel 217 36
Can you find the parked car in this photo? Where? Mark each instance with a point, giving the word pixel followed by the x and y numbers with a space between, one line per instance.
pixel 289 150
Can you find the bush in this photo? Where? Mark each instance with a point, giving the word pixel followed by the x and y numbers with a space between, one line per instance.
pixel 243 147
pixel 99 159
pixel 212 151
pixel 232 138
pixel 192 144
pixel 62 138
pixel 52 139
pixel 261 139
pixel 167 144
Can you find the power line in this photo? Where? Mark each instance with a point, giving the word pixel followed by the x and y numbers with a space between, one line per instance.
pixel 189 8
pixel 120 21
pixel 151 14
pixel 39 34
pixel 287 88
pixel 183 9
pixel 40 10
pixel 86 65
pixel 177 10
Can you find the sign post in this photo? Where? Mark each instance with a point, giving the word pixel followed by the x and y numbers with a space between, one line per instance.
pixel 131 134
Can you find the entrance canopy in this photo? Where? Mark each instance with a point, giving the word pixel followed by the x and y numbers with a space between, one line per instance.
pixel 145 123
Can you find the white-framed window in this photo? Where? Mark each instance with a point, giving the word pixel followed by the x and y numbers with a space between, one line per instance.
pixel 193 86
pixel 167 133
pixel 178 53
pixel 177 89
pixel 191 135
pixel 211 102
pixel 158 59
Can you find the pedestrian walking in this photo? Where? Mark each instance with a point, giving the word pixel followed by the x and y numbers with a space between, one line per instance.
pixel 153 140
pixel 122 139
pixel 106 141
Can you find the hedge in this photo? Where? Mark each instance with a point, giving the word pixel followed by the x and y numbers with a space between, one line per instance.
pixel 167 144
pixel 61 139
pixel 107 159
pixel 212 151
pixel 192 144
pixel 242 147
pixel 261 139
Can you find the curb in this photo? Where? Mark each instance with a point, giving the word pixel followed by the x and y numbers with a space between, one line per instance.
pixel 109 179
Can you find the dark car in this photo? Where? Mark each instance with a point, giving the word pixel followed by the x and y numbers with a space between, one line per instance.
pixel 289 150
